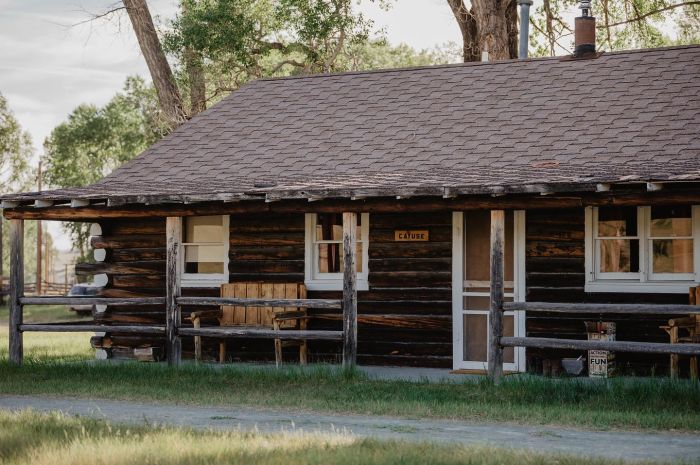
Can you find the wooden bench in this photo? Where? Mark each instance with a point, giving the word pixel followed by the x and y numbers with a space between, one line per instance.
pixel 685 330
pixel 253 319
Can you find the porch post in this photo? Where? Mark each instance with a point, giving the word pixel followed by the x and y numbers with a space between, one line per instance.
pixel 349 290
pixel 173 232
pixel 16 289
pixel 495 351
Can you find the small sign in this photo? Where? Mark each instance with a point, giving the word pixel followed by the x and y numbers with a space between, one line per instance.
pixel 411 236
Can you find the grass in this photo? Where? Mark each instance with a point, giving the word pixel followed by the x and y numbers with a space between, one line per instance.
pixel 651 404
pixel 55 439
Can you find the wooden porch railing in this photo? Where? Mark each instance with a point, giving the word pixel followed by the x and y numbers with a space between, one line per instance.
pixel 497 341
pixel 173 302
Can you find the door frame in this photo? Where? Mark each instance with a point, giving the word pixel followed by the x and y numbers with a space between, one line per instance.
pixel 458 235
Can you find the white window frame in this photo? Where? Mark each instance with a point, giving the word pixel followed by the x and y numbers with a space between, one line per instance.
pixel 316 281
pixel 204 279
pixel 644 281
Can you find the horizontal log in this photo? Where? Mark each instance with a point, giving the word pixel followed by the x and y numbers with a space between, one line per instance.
pixel 232 331
pixel 636 309
pixel 266 239
pixel 128 241
pixel 51 300
pixel 136 254
pixel 437 322
pixel 555 264
pixel 135 267
pixel 614 346
pixel 142 226
pixel 266 266
pixel 413 220
pixel 373 205
pixel 294 252
pixel 82 328
pixel 410 278
pixel 242 302
pixel 555 249
pixel 410 264
pixel 410 249
pixel 137 280
pixel 435 233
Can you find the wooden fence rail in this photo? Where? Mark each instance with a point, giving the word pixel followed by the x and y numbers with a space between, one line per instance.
pixel 615 346
pixel 84 328
pixel 327 304
pixel 629 309
pixel 51 300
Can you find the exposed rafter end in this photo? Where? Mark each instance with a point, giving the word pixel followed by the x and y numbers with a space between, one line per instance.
pixel 654 186
pixel 75 203
pixel 40 203
pixel 602 187
pixel 314 199
pixel 357 197
pixel 9 204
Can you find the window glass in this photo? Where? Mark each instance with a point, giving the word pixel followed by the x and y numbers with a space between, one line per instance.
pixel 204 245
pixel 672 255
pixel 619 256
pixel 671 222
pixel 617 222
pixel 328 236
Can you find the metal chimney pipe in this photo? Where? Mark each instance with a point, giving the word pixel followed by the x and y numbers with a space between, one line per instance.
pixel 524 27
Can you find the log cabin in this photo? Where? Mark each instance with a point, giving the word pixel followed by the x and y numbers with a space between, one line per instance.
pixel 587 167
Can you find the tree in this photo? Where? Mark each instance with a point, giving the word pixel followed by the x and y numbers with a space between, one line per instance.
pixel 15 175
pixel 94 141
pixel 15 150
pixel 240 40
pixel 621 24
pixel 163 80
pixel 487 25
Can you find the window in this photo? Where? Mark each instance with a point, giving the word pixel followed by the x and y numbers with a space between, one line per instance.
pixel 324 251
pixel 205 251
pixel 642 249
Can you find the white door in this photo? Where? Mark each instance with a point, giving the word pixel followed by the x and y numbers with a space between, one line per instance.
pixel 470 288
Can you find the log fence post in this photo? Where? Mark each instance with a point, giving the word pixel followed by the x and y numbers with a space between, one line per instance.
pixel 16 289
pixel 349 290
pixel 173 232
pixel 495 351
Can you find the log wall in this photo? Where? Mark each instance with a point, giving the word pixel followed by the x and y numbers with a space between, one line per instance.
pixel 555 272
pixel 405 318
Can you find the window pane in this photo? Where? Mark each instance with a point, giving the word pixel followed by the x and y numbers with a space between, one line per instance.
pixel 330 258
pixel 617 222
pixel 329 227
pixel 204 259
pixel 671 222
pixel 204 229
pixel 672 255
pixel 475 337
pixel 619 255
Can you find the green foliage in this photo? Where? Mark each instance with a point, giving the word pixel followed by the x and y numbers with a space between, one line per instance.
pixel 621 25
pixel 94 141
pixel 379 54
pixel 15 151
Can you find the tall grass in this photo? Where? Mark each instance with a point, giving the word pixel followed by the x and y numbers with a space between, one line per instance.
pixel 618 403
pixel 54 439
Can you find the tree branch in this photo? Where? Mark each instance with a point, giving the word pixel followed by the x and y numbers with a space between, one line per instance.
pixel 651 13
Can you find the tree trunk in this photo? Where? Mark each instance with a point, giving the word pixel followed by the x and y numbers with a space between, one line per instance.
pixel 195 74
pixel 163 80
pixel 490 25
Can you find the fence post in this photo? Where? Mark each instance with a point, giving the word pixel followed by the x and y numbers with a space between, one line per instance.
pixel 349 290
pixel 173 232
pixel 495 351
pixel 16 289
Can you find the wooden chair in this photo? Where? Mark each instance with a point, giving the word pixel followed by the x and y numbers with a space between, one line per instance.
pixel 277 318
pixel 685 330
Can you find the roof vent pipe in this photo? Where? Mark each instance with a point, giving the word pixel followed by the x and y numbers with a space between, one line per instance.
pixel 524 27
pixel 584 31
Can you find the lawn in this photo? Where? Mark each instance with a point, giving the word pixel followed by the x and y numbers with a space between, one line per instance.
pixel 50 369
pixel 55 439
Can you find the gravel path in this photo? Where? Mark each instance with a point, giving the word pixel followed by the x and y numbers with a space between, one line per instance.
pixel 632 446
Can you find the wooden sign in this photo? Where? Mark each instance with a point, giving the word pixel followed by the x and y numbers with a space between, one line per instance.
pixel 411 236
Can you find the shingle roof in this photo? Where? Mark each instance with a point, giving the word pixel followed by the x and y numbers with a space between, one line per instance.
pixel 477 127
